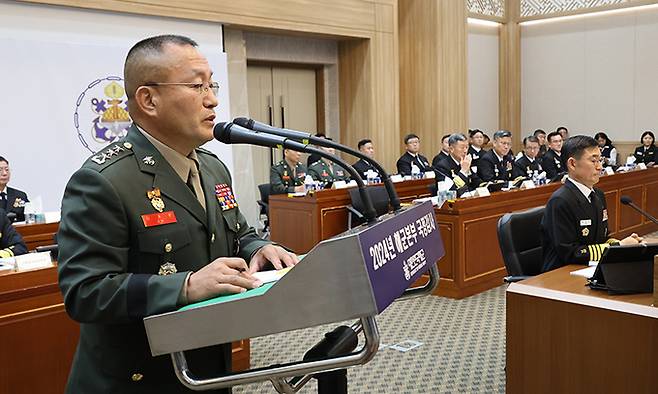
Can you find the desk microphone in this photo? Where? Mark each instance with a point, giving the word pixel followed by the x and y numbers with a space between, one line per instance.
pixel 309 138
pixel 230 133
pixel 628 201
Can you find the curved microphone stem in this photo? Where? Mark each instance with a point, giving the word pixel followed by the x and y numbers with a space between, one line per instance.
pixel 370 213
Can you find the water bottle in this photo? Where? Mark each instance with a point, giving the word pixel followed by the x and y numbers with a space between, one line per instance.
pixel 535 177
pixel 309 184
pixel 370 177
pixel 415 171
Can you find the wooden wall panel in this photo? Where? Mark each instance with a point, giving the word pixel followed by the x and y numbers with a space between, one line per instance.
pixel 510 74
pixel 629 217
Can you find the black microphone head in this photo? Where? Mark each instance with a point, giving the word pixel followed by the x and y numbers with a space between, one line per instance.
pixel 222 132
pixel 242 121
pixel 626 200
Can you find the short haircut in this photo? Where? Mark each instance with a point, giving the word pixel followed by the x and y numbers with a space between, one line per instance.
pixel 142 61
pixel 576 145
pixel 471 133
pixel 363 142
pixel 502 134
pixel 650 133
pixel 5 160
pixel 553 134
pixel 409 137
pixel 445 137
pixel 539 131
pixel 603 135
pixel 455 138
pixel 561 128
pixel 530 138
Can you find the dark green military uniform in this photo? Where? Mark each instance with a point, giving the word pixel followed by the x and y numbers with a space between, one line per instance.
pixel 282 178
pixel 320 171
pixel 116 261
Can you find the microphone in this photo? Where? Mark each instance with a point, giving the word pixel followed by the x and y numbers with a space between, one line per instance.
pixel 230 133
pixel 628 201
pixel 309 138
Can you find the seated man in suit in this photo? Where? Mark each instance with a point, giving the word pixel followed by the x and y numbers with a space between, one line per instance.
pixel 326 171
pixel 575 223
pixel 541 136
pixel 11 200
pixel 412 157
pixel 552 160
pixel 457 165
pixel 496 164
pixel 287 176
pixel 445 150
pixel 11 242
pixel 366 147
pixel 528 164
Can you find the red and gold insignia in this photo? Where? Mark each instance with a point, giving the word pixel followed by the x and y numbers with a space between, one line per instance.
pixel 158 219
pixel 154 196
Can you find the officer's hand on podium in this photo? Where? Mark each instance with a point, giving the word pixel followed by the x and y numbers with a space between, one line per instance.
pixel 279 257
pixel 632 239
pixel 225 275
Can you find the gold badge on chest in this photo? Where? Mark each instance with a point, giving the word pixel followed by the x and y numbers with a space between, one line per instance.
pixel 156 199
pixel 585 232
pixel 167 268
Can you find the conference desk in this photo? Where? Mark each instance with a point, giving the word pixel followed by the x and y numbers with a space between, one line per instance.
pixel 472 262
pixel 563 337
pixel 37 337
pixel 37 234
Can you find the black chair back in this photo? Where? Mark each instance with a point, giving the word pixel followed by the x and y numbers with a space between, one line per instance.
pixel 264 190
pixel 377 194
pixel 519 237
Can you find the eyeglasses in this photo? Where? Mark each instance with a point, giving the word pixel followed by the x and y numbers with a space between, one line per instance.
pixel 202 88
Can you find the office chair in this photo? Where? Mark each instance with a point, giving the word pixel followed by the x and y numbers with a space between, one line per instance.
pixel 264 204
pixel 519 238
pixel 379 198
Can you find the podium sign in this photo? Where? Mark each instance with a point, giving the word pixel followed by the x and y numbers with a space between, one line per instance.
pixel 399 250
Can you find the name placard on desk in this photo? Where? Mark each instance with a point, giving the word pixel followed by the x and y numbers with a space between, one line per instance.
pixel 25 262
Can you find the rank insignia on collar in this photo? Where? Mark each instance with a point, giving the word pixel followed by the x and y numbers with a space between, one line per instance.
pixel 225 196
pixel 167 268
pixel 149 160
pixel 156 200
pixel 585 232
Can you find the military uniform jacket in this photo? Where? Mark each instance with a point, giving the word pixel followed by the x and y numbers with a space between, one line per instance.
pixel 448 167
pixel 16 200
pixel 491 169
pixel 525 168
pixel 404 163
pixel 320 171
pixel 438 158
pixel 112 252
pixel 282 178
pixel 11 242
pixel 362 167
pixel 475 155
pixel 574 230
pixel 552 164
pixel 646 155
pixel 542 151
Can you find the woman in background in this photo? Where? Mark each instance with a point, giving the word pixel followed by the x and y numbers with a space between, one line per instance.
pixel 646 153
pixel 608 151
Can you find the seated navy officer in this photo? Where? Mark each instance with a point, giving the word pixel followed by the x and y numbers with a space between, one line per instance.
pixel 528 164
pixel 552 161
pixel 287 176
pixel 575 224
pixel 496 164
pixel 457 166
pixel 11 242
pixel 325 171
pixel 412 157
pixel 445 150
pixel 476 139
pixel 11 200
pixel 541 136
pixel 366 147
pixel 150 224
pixel 646 153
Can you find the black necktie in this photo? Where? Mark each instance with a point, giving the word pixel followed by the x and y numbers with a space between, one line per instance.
pixel 3 200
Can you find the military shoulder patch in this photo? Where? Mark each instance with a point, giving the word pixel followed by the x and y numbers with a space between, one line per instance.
pixel 110 153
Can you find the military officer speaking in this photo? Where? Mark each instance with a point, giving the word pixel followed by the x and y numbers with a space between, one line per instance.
pixel 288 175
pixel 150 224
pixel 575 223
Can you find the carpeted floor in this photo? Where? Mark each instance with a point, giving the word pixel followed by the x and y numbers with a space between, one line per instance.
pixel 463 348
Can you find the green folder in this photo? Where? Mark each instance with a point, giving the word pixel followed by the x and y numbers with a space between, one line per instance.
pixel 231 297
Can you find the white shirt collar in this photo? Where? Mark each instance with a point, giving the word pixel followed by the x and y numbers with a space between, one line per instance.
pixel 3 190
pixel 475 148
pixel 500 158
pixel 583 189
pixel 531 160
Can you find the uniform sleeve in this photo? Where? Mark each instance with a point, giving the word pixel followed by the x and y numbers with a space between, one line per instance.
pixel 486 170
pixel 563 233
pixel 548 164
pixel 313 172
pixel 94 272
pixel 276 182
pixel 403 167
pixel 11 242
pixel 518 170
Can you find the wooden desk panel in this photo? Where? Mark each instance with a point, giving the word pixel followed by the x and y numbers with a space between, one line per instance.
pixel 37 234
pixel 564 337
pixel 38 337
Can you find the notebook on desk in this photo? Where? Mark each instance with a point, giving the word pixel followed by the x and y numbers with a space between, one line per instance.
pixel 625 269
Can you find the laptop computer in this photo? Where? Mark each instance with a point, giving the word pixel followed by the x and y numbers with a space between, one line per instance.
pixel 625 269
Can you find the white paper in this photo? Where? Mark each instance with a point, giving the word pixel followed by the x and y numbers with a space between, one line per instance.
pixel 445 185
pixel 271 276
pixel 482 192
pixel 585 272
pixel 396 178
pixel 405 346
